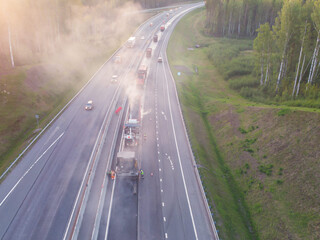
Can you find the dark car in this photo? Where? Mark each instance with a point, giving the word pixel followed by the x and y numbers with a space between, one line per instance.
pixel 89 105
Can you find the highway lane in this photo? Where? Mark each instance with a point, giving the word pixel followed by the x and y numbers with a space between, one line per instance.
pixel 41 204
pixel 122 207
pixel 125 202
pixel 184 211
pixel 53 188
pixel 37 203
pixel 90 215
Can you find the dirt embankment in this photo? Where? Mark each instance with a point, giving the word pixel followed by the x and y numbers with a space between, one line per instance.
pixel 275 156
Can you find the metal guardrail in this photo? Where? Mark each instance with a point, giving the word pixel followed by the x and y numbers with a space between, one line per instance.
pixel 84 197
pixel 96 227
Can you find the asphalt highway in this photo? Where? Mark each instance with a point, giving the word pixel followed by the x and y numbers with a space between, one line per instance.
pixel 61 190
pixel 172 182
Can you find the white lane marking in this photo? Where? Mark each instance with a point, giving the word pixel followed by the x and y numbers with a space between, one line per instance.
pixel 171 163
pixel 160 179
pixel 110 206
pixel 159 160
pixel 162 204
pixel 161 190
pixel 179 158
pixel 12 189
pixel 164 115
pixel 164 219
pixel 159 169
pixel 166 234
pixel 52 134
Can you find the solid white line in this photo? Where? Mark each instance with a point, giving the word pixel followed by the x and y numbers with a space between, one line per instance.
pixel 110 208
pixel 12 189
pixel 189 146
pixel 178 153
pixel 95 149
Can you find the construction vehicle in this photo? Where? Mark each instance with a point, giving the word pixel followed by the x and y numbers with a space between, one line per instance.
pixel 155 38
pixel 132 132
pixel 162 28
pixel 127 164
pixel 142 75
pixel 148 52
pixel 131 42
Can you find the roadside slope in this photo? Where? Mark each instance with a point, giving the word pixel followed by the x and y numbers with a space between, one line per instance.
pixel 259 163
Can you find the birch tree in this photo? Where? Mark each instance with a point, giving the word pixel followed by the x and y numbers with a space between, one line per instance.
pixel 262 46
pixel 316 20
pixel 287 24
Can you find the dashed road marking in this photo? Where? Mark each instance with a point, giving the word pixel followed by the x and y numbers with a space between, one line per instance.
pixel 29 169
pixel 164 219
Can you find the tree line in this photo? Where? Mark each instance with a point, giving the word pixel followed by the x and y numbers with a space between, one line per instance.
pixel 31 29
pixel 286 41
pixel 239 18
pixel 288 51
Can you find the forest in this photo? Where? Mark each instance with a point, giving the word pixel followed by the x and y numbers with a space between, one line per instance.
pixel 30 30
pixel 286 44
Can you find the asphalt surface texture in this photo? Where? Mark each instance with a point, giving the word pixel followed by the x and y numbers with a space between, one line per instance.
pixel 61 189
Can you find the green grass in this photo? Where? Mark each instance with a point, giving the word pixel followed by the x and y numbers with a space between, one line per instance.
pixel 256 171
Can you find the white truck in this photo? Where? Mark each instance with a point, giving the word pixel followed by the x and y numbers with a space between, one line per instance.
pixel 131 42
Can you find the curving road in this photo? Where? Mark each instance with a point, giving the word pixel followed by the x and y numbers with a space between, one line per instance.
pixel 60 189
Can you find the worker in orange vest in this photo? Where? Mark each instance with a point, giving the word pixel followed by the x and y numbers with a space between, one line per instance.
pixel 113 174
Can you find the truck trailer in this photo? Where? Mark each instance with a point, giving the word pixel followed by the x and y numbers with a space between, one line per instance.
pixel 131 42
pixel 142 75
pixel 148 52
pixel 155 38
